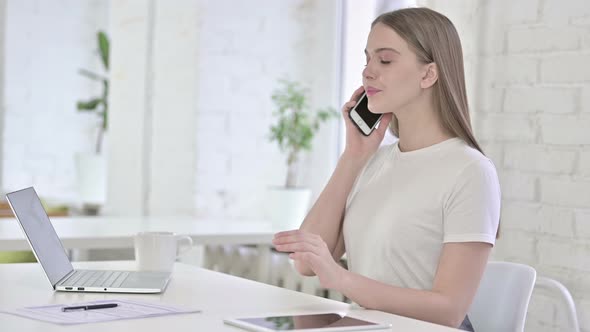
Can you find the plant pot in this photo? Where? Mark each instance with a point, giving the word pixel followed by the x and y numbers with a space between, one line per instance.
pixel 287 207
pixel 91 169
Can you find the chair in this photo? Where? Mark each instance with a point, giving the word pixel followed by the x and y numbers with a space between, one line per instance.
pixel 502 298
pixel 564 294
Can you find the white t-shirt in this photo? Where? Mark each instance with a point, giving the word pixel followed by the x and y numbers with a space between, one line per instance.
pixel 405 205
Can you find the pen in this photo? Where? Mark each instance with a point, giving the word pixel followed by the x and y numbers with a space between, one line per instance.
pixel 90 307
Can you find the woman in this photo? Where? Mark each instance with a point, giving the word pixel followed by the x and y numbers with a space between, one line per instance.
pixel 418 218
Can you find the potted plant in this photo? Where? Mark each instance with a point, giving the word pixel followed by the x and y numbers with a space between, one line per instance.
pixel 92 166
pixel 293 131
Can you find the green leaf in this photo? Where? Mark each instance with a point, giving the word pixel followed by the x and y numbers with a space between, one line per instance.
pixel 326 114
pixel 105 103
pixel 296 124
pixel 105 119
pixel 91 75
pixel 104 48
pixel 89 105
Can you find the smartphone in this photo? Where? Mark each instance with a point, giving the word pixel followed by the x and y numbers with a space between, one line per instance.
pixel 365 120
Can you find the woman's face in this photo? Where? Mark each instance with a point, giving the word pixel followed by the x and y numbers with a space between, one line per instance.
pixel 392 74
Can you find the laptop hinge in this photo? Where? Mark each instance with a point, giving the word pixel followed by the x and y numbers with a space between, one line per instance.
pixel 64 278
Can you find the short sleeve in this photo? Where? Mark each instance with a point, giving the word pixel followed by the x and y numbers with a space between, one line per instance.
pixel 472 209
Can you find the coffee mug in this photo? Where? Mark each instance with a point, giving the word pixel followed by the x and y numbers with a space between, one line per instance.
pixel 157 251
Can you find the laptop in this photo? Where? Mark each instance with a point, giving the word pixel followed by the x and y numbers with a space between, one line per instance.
pixel 49 250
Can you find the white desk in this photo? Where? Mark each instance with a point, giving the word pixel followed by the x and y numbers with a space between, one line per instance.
pixel 118 232
pixel 218 295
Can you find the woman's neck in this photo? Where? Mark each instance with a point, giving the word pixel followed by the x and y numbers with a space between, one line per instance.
pixel 420 127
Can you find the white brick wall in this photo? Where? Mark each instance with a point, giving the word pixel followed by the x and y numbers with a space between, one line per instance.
pixel 539 158
pixel 505 127
pixel 564 253
pixel 530 40
pixel 529 82
pixel 241 57
pixel 559 12
pixel 586 93
pixel 490 102
pixel 565 68
pixel 584 163
pixel 582 224
pixel 504 70
pixel 541 99
pixel 566 192
pixel 46 42
pixel 517 185
pixel 243 48
pixel 539 218
pixel 565 130
pixel 584 312
pixel 516 245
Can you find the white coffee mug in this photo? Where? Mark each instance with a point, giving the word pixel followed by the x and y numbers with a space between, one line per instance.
pixel 157 251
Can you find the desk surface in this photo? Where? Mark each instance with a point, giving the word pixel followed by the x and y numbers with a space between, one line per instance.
pixel 118 232
pixel 218 295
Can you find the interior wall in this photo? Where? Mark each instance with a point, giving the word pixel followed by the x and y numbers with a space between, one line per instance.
pixel 528 80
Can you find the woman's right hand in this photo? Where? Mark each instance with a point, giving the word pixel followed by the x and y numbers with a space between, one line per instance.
pixel 357 144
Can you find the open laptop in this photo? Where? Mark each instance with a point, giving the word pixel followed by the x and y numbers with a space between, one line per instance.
pixel 48 249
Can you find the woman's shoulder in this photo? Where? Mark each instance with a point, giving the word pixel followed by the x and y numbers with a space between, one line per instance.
pixel 464 154
pixel 466 160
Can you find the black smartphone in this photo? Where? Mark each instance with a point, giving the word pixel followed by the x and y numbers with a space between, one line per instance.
pixel 365 120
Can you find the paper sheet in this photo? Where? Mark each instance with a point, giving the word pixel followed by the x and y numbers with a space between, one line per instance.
pixel 126 309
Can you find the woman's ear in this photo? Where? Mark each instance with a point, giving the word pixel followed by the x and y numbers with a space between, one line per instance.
pixel 430 76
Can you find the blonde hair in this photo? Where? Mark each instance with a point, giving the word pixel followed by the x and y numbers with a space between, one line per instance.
pixel 433 37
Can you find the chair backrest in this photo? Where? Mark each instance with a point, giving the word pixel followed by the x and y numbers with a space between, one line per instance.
pixel 565 295
pixel 502 298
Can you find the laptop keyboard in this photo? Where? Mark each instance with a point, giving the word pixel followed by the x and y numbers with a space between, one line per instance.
pixel 87 278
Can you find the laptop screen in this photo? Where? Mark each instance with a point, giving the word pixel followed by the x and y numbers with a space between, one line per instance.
pixel 39 230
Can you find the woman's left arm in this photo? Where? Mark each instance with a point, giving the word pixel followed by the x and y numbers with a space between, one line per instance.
pixel 457 278
pixel 460 268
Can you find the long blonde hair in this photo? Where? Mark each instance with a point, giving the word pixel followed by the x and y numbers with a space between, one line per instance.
pixel 433 37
